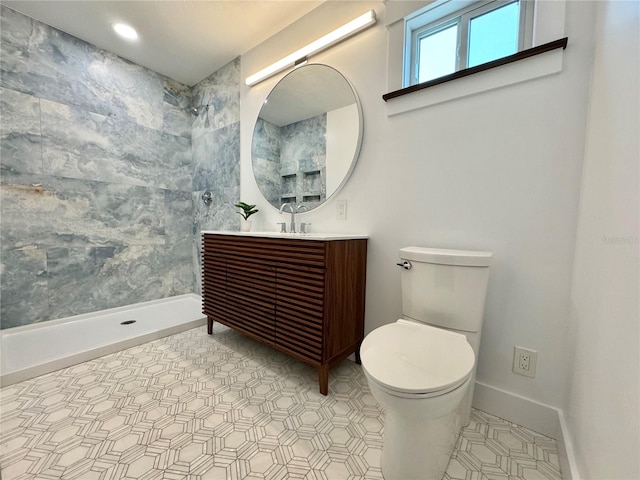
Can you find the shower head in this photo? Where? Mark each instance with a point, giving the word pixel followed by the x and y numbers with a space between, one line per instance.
pixel 196 110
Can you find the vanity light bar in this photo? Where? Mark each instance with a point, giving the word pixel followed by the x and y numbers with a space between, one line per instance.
pixel 348 29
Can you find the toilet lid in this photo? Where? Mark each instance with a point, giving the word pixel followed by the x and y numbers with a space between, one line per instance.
pixel 412 358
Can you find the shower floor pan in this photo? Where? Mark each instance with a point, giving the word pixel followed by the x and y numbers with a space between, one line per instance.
pixel 33 350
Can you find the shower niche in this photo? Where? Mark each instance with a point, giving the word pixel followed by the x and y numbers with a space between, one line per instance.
pixel 303 186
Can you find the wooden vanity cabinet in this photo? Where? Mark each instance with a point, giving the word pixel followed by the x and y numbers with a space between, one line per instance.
pixel 303 297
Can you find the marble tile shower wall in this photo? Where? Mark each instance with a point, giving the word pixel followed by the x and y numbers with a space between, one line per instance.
pixel 96 177
pixel 216 155
pixel 303 159
pixel 290 161
pixel 265 157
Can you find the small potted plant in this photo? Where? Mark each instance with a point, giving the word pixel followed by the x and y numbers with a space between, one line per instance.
pixel 247 211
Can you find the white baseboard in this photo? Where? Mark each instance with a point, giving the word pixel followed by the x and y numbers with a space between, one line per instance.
pixel 530 414
pixel 514 408
pixel 567 455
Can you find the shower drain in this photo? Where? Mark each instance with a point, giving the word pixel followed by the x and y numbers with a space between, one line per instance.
pixel 127 322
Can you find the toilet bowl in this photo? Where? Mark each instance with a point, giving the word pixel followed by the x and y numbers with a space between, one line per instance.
pixel 419 374
pixel 421 368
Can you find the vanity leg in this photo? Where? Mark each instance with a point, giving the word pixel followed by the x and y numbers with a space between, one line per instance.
pixel 209 325
pixel 323 379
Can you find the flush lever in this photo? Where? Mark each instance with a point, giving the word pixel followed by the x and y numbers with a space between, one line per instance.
pixel 406 265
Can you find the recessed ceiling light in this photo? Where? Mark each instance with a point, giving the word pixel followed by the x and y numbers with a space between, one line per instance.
pixel 125 31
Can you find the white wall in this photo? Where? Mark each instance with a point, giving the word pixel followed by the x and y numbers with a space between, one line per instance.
pixel 497 171
pixel 342 135
pixel 604 406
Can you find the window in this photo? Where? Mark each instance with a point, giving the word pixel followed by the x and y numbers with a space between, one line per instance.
pixel 452 35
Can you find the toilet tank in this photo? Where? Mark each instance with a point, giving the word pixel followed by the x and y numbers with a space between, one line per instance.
pixel 445 288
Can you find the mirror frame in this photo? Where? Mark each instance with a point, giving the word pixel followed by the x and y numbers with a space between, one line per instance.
pixel 356 153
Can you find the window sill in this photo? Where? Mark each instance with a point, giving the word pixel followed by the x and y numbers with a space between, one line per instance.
pixel 542 60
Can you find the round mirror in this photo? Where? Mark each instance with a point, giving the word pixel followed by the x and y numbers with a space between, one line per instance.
pixel 307 137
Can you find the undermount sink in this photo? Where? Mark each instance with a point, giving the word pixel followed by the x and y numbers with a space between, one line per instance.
pixel 300 236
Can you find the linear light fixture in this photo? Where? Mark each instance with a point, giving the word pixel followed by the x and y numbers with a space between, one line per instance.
pixel 356 25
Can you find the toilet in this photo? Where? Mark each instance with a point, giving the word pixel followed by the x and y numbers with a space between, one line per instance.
pixel 421 368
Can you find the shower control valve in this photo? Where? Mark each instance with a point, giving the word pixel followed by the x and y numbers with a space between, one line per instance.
pixel 207 198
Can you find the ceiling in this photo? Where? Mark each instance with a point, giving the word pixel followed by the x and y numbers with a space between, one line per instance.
pixel 182 39
pixel 306 92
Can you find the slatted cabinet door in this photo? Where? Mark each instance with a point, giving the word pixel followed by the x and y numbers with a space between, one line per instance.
pixel 214 285
pixel 303 297
pixel 251 298
pixel 300 311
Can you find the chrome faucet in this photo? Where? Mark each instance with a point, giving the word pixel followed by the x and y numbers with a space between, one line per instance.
pixel 292 210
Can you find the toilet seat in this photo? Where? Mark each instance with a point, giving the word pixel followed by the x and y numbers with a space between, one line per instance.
pixel 415 360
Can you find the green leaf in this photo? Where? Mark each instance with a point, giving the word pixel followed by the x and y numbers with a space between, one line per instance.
pixel 247 209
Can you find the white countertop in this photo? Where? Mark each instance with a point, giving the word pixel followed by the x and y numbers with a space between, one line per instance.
pixel 297 236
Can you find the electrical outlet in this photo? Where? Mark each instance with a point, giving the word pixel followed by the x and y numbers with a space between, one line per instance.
pixel 341 210
pixel 524 361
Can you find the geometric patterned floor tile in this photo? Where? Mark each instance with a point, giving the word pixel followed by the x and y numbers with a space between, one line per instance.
pixel 193 406
pixel 492 448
